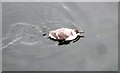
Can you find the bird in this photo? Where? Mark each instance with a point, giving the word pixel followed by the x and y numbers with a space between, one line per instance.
pixel 64 34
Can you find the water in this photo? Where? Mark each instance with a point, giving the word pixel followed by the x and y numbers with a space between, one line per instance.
pixel 24 47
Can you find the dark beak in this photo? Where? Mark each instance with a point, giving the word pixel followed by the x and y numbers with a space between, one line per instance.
pixel 81 32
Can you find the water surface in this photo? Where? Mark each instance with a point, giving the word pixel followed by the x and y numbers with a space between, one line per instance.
pixel 24 47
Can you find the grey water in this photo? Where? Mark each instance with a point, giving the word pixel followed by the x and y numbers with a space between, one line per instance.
pixel 24 48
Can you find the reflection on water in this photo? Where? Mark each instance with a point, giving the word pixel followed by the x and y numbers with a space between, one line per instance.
pixel 25 48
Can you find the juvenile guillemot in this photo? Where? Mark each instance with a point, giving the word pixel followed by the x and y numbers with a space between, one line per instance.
pixel 65 35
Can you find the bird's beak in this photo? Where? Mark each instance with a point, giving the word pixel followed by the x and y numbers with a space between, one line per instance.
pixel 81 32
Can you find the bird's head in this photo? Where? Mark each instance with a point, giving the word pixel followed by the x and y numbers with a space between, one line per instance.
pixel 78 31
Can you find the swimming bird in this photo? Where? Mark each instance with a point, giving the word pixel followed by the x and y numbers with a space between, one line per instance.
pixel 64 34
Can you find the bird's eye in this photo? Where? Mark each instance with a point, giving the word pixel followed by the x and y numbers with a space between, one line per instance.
pixel 76 31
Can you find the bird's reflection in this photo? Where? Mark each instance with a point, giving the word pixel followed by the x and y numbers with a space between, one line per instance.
pixel 63 42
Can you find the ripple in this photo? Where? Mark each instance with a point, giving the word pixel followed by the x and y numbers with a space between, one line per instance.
pixel 26 36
